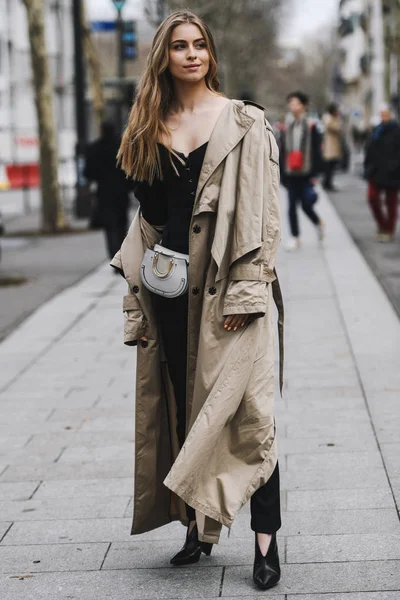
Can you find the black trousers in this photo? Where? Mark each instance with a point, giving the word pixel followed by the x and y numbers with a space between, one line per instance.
pixel 172 316
pixel 330 168
pixel 115 232
pixel 297 191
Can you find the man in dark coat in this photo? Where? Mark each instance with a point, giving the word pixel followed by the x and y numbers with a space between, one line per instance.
pixel 111 212
pixel 301 162
pixel 382 170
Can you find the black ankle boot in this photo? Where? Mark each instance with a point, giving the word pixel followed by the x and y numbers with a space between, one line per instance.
pixel 191 550
pixel 267 572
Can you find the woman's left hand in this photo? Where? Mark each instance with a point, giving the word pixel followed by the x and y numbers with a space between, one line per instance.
pixel 234 322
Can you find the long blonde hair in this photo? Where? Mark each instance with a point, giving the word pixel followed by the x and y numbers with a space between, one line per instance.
pixel 139 155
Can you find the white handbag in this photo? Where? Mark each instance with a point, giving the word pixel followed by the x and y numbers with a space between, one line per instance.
pixel 165 272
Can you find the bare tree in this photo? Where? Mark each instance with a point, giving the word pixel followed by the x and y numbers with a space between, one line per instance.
pixel 52 210
pixel 94 68
pixel 246 35
pixel 309 68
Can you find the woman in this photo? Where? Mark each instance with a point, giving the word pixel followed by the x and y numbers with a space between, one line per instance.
pixel 206 175
pixel 332 144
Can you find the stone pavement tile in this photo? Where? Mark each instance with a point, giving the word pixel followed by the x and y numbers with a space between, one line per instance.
pixel 30 415
pixel 90 530
pixel 351 596
pixel 153 555
pixel 109 424
pixel 309 479
pixel 42 559
pixel 351 460
pixel 77 488
pixel 9 443
pixel 328 522
pixel 4 526
pixel 322 404
pixel 129 509
pixel 391 456
pixel 139 584
pixel 68 508
pixel 72 437
pixel 78 454
pixel 315 381
pixel 339 499
pixel 20 490
pixel 13 427
pixel 55 471
pixel 321 418
pixel 338 428
pixel 342 548
pixel 395 481
pixel 75 531
pixel 321 579
pixel 324 445
pixel 25 456
pixel 328 395
pixel 89 414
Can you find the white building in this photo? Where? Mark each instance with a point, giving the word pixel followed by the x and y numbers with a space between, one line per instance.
pixel 18 124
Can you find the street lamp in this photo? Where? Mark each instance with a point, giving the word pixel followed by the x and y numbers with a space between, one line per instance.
pixel 82 201
pixel 119 5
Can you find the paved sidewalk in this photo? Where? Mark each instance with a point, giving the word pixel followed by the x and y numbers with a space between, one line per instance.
pixel 66 434
pixel 384 259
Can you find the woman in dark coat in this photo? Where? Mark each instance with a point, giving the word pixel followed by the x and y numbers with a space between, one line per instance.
pixel 382 170
pixel 111 212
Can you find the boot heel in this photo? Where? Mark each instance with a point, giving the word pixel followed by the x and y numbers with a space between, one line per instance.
pixel 206 548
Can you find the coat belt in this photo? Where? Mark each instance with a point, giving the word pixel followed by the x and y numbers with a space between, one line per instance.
pixel 278 299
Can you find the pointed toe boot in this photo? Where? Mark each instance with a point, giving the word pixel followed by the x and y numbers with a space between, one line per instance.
pixel 267 571
pixel 191 550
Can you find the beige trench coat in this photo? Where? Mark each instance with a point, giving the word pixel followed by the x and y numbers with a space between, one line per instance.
pixel 230 449
pixel 332 142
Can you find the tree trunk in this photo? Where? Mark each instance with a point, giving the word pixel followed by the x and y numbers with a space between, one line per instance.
pixel 94 69
pixel 52 210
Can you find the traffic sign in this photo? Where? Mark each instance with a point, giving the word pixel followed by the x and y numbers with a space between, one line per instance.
pixel 129 40
pixel 103 25
pixel 119 4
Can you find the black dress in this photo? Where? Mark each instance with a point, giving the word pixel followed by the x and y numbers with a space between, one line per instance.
pixel 169 203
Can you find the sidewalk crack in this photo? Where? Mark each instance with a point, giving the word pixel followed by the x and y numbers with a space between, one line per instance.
pixel 57 458
pixel 105 556
pixel 221 585
pixel 35 490
pixel 8 529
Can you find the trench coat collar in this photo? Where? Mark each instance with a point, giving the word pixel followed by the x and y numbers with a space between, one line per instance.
pixel 231 126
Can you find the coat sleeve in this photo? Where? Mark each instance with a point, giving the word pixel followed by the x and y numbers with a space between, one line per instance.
pixel 250 274
pixel 141 235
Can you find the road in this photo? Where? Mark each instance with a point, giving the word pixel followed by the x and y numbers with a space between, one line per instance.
pixel 48 264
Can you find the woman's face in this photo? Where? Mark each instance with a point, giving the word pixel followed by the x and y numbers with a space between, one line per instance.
pixel 189 59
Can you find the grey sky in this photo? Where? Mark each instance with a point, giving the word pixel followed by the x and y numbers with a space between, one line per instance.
pixel 307 17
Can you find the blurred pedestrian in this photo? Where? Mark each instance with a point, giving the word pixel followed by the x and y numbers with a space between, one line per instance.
pixel 204 295
pixel 332 144
pixel 112 198
pixel 382 170
pixel 301 162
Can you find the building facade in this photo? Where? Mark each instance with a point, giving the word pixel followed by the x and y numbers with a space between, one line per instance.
pixel 18 124
pixel 19 144
pixel 367 62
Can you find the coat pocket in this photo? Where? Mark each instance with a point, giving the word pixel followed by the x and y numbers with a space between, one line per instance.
pixel 135 321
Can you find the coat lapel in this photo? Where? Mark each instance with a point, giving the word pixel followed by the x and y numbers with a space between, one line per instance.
pixel 231 127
